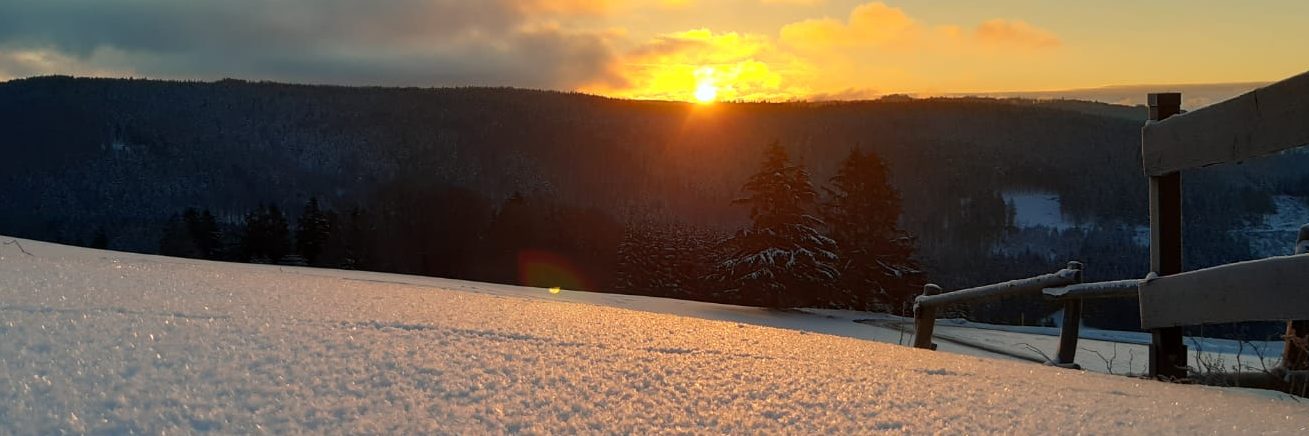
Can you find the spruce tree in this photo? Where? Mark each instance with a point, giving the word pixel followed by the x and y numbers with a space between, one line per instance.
pixel 862 210
pixel 266 237
pixel 631 268
pixel 783 259
pixel 354 240
pixel 659 259
pixel 204 232
pixel 99 240
pixel 313 230
pixel 176 240
pixel 279 234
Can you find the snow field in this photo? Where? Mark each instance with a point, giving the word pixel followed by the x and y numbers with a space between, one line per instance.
pixel 96 341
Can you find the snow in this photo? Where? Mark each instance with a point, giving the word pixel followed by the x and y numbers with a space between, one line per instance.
pixel 1275 235
pixel 1109 351
pixel 104 342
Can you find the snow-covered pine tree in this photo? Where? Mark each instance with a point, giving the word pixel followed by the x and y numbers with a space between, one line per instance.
pixel 631 275
pixel 862 210
pixel 659 259
pixel 783 259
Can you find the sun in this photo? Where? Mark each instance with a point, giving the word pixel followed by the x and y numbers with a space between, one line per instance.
pixel 706 85
pixel 706 92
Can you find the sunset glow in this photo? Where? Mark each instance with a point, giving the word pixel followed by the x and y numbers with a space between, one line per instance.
pixel 680 50
pixel 706 91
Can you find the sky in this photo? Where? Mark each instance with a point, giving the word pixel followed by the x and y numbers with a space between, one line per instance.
pixel 688 50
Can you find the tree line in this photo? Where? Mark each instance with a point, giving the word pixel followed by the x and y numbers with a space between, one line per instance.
pixel 836 246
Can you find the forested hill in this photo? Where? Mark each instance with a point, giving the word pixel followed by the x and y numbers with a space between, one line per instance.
pixel 124 155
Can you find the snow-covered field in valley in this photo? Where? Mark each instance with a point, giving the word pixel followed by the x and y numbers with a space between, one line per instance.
pixel 104 342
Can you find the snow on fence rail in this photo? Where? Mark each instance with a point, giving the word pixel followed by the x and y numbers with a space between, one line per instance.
pixel 1080 291
pixel 925 306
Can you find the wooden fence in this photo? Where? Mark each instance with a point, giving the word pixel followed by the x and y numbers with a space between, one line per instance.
pixel 1196 297
pixel 926 305
pixel 1264 121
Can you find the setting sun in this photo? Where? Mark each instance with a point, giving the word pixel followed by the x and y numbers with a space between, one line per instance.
pixel 706 86
pixel 706 92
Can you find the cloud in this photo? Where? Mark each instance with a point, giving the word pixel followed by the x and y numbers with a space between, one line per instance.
pixel 872 24
pixel 740 66
pixel 30 62
pixel 555 44
pixel 394 42
pixel 876 45
pixel 878 26
pixel 1014 33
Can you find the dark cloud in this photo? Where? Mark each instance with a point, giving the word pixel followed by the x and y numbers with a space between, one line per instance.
pixel 385 42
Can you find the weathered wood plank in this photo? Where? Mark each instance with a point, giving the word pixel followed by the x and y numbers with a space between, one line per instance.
pixel 1263 121
pixel 1270 289
pixel 1167 352
pixel 925 320
pixel 1067 353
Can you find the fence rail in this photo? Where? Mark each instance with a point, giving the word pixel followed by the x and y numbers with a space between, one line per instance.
pixel 1272 289
pixel 1260 122
pixel 1081 291
pixel 926 305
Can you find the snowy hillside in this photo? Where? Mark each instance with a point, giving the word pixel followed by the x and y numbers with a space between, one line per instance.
pixel 99 341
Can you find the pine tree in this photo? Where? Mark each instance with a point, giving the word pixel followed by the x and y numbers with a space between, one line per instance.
pixel 782 259
pixel 99 240
pixel 279 234
pixel 313 230
pixel 657 259
pixel 176 240
pixel 204 232
pixel 862 211
pixel 632 256
pixel 355 240
pixel 266 237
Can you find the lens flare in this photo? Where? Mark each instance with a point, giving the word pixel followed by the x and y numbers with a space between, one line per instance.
pixel 544 269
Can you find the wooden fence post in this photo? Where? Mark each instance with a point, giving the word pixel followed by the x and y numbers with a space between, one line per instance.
pixel 925 320
pixel 1072 325
pixel 1167 352
pixel 1294 355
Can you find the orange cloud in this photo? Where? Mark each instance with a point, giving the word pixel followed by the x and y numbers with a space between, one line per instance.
pixel 739 66
pixel 875 47
pixel 874 24
pixel 599 7
pixel 878 26
pixel 1017 33
pixel 568 6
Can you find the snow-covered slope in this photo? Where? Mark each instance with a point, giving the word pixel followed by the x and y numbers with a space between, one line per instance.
pixel 97 341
